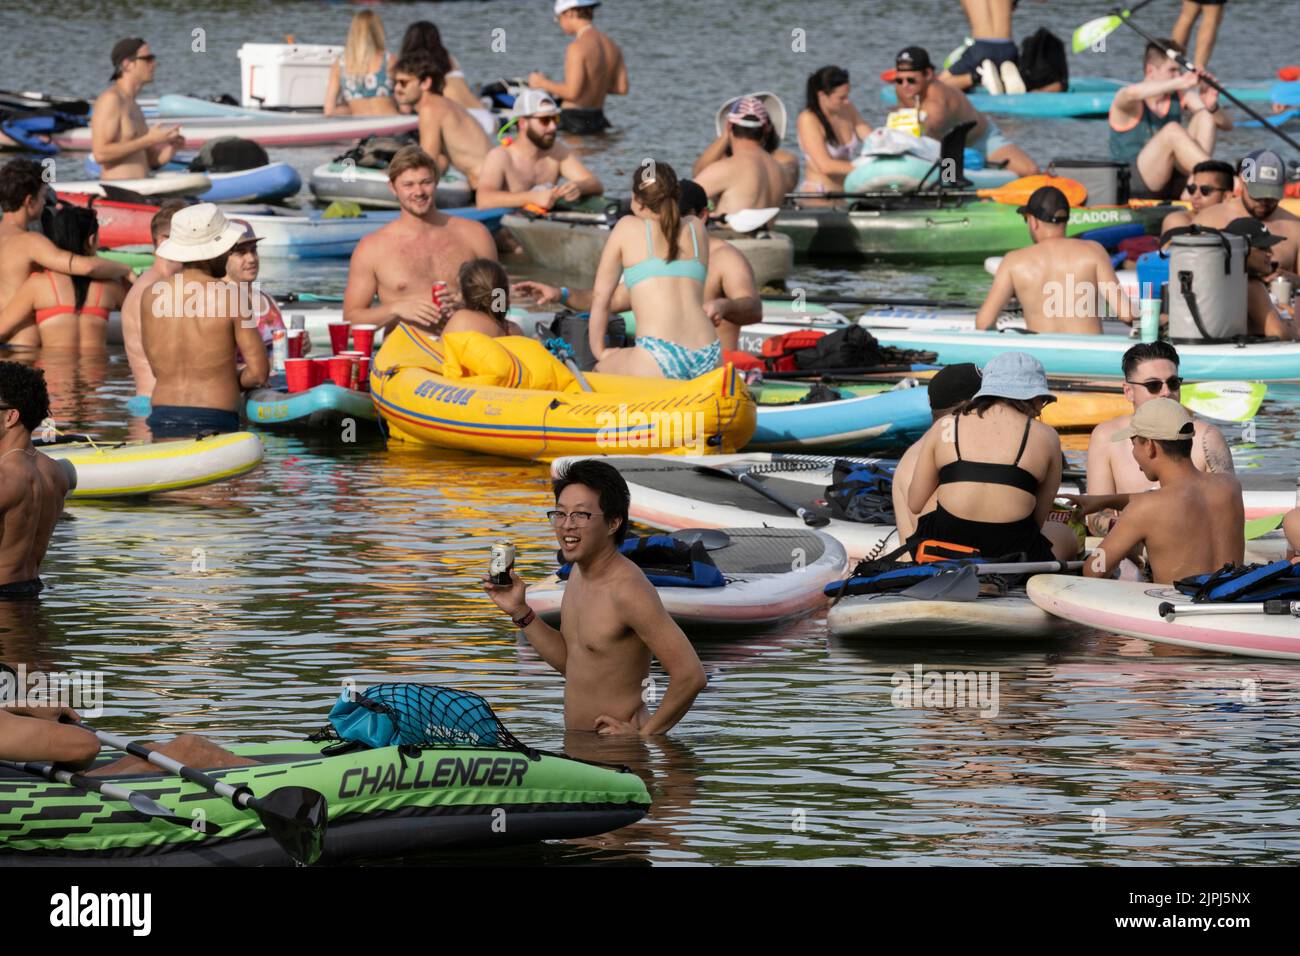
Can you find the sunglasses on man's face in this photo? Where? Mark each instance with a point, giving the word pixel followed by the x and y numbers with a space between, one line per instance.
pixel 907 80
pixel 146 59
pixel 1152 385
pixel 1204 190
pixel 546 120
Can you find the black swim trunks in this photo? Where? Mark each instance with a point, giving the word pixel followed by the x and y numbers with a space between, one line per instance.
pixel 999 51
pixel 187 421
pixel 21 590
pixel 583 122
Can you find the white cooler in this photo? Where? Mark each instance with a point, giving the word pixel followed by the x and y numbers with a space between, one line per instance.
pixel 283 75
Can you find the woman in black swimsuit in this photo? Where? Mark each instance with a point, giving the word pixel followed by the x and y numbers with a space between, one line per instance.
pixel 996 469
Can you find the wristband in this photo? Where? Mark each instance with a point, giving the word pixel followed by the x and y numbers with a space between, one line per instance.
pixel 564 295
pixel 524 621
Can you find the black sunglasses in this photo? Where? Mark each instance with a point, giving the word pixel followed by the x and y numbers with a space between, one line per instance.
pixel 1192 189
pixel 1152 385
pixel 906 81
pixel 149 58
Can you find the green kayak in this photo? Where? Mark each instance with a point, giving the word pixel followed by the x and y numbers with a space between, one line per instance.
pixel 946 231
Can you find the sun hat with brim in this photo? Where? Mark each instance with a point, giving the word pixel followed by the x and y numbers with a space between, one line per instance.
pixel 199 233
pixel 771 102
pixel 1016 375
pixel 1161 419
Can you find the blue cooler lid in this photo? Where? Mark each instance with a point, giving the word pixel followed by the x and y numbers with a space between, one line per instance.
pixel 1152 273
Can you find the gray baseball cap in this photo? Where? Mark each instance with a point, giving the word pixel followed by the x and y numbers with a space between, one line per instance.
pixel 1263 174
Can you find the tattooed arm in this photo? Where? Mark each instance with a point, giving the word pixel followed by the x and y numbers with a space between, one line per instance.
pixel 1218 459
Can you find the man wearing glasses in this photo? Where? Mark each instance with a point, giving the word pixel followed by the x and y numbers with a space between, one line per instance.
pixel 448 132
pixel 123 145
pixel 941 107
pixel 611 621
pixel 1263 186
pixel 1210 184
pixel 530 169
pixel 1150 372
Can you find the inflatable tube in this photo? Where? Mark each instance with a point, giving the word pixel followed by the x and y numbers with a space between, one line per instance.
pixel 322 408
pixel 877 173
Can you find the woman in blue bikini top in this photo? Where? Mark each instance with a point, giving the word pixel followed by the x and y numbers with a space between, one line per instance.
pixel 361 81
pixel 663 258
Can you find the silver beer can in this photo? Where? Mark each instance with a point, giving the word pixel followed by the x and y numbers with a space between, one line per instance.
pixel 1282 291
pixel 503 561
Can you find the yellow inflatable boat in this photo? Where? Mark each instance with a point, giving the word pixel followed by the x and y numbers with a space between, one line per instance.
pixel 509 396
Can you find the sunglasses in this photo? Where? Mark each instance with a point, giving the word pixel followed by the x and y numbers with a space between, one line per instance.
pixel 907 81
pixel 1204 190
pixel 146 59
pixel 1152 385
pixel 546 120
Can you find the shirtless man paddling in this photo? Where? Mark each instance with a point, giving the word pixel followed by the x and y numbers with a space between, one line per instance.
pixel 400 262
pixel 611 620
pixel 530 170
pixel 593 70
pixel 1060 282
pixel 123 145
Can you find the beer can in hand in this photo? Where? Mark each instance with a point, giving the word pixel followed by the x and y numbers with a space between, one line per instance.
pixel 436 293
pixel 503 562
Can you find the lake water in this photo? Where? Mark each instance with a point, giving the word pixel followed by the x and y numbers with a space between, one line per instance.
pixel 239 610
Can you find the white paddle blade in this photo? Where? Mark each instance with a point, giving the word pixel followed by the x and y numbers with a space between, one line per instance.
pixel 749 220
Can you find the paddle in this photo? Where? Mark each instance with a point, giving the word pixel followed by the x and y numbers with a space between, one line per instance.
pixel 874 300
pixel 1168 611
pixel 712 538
pixel 1258 527
pixel 1214 84
pixel 1014 193
pixel 563 351
pixel 138 801
pixel 808 518
pixel 1225 401
pixel 1092 33
pixel 294 817
pixel 963 583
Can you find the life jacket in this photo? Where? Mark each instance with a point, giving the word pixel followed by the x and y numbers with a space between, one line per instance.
pixel 862 492
pixel 1279 580
pixel 779 351
pixel 667 562
pixel 376 152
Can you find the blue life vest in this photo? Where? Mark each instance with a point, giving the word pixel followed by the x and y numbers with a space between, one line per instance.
pixel 1279 580
pixel 667 562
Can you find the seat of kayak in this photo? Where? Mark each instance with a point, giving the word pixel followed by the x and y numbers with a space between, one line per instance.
pixel 681 479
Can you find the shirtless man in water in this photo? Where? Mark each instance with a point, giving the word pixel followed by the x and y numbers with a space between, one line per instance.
pixel 593 70
pixel 162 270
pixel 448 132
pixel 400 262
pixel 22 251
pixel 1059 282
pixel 1162 437
pixel 1150 372
pixel 194 325
pixel 611 621
pixel 943 107
pixel 123 145
pixel 750 178
pixel 531 169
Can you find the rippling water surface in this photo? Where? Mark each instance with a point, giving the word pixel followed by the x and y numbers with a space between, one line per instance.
pixel 238 610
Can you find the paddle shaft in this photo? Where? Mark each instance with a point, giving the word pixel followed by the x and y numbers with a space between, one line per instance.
pixel 1215 84
pixel 808 518
pixel 1168 610
pixel 241 798
pixel 873 300
pixel 138 801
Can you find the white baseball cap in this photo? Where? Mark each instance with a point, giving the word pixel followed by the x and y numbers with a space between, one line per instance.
pixel 533 102
pixel 562 5
pixel 198 233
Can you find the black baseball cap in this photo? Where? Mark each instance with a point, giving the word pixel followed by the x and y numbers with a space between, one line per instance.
pixel 1253 231
pixel 693 198
pixel 1047 204
pixel 123 50
pixel 954 384
pixel 913 58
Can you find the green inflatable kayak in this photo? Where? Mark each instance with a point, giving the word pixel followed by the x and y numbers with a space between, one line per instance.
pixel 382 804
pixel 948 230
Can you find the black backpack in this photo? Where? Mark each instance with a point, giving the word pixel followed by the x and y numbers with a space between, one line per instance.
pixel 229 154
pixel 376 152
pixel 1043 60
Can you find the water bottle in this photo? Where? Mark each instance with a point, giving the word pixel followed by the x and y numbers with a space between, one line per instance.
pixel 1149 309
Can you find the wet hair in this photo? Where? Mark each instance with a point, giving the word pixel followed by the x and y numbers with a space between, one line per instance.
pixel 601 478
pixel 823 81
pixel 1146 352
pixel 422 36
pixel 422 66
pixel 1155 51
pixel 758 134
pixel 485 287
pixel 162 219
pixel 1219 168
pixel 656 188
pixel 23 387
pixel 978 406
pixel 71 230
pixel 411 157
pixel 1174 449
pixel 20 180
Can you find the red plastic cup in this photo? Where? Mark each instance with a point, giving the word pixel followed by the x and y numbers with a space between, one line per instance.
pixel 297 371
pixel 339 336
pixel 363 338
pixel 341 370
pixel 363 374
pixel 297 343
pixel 320 371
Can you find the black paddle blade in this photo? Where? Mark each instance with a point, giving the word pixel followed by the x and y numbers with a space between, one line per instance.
pixel 295 818
pixel 816 521
pixel 156 811
pixel 963 585
pixel 711 538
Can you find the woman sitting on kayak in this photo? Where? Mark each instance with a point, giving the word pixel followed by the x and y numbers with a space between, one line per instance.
pixel 485 300
pixel 831 131
pixel 423 36
pixel 995 468
pixel 663 258
pixel 361 81
pixel 51 310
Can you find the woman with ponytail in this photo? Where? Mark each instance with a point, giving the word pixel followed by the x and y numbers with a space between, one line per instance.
pixel 663 258
pixel 831 131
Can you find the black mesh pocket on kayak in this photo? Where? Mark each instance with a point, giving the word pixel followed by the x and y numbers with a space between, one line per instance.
pixel 422 716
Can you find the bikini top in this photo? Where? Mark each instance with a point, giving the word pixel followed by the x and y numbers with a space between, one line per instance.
pixel 653 267
pixel 845 151
pixel 96 310
pixel 369 85
pixel 987 472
